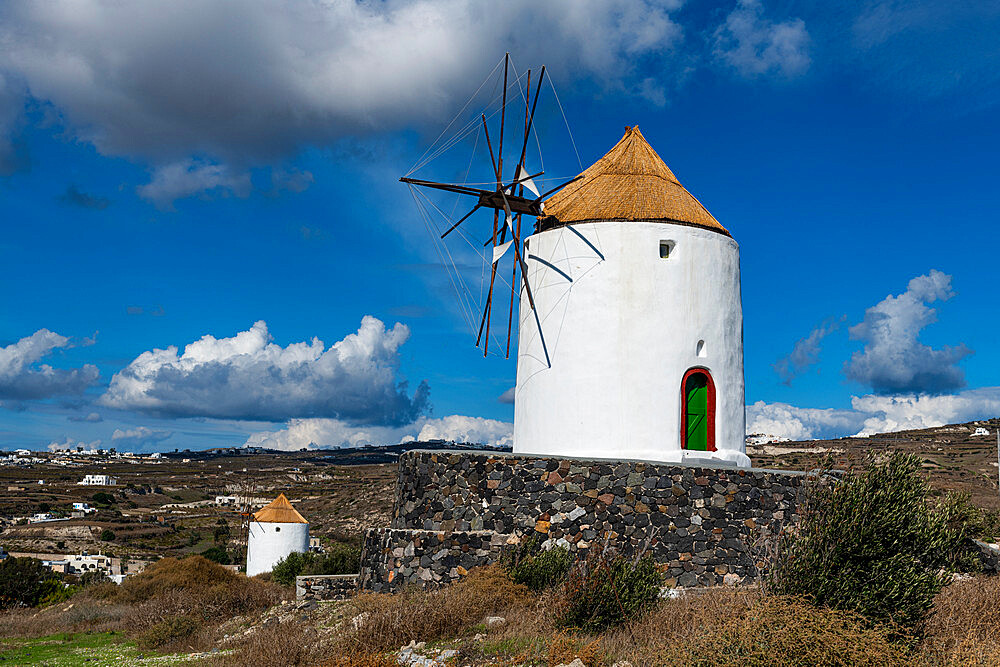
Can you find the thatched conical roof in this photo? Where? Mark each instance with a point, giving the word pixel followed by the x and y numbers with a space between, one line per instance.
pixel 630 182
pixel 279 511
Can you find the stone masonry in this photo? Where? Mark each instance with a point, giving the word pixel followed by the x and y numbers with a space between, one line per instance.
pixel 457 510
pixel 326 587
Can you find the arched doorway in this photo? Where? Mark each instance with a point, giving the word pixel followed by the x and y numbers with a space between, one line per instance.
pixel 698 411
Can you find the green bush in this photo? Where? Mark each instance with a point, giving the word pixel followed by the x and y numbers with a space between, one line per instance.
pixel 25 582
pixel 871 543
pixel 103 498
pixel 608 589
pixel 93 577
pixel 340 559
pixel 217 554
pixel 107 535
pixel 528 564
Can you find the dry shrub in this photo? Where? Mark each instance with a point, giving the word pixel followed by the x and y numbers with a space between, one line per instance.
pixel 276 645
pixel 963 627
pixel 722 628
pixel 564 649
pixel 76 615
pixel 168 631
pixel 218 590
pixel 193 587
pixel 385 622
pixel 365 659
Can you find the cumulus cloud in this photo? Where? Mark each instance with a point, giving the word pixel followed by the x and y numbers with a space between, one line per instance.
pixel 805 352
pixel 900 413
pixel 76 197
pixel 788 421
pixel 333 433
pixel 755 46
pixel 872 413
pixel 254 83
pixel 22 377
pixel 507 397
pixel 138 437
pixel 893 360
pixel 249 377
pixel 72 443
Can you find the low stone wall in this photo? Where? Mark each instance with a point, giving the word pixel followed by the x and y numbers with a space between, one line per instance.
pixel 395 558
pixel 707 526
pixel 326 587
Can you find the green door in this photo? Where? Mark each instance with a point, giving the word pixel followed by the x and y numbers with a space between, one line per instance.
pixel 696 412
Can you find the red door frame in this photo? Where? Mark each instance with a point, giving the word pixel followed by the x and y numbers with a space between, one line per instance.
pixel 710 384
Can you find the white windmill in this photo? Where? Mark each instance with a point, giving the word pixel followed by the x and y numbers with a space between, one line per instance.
pixel 275 531
pixel 630 342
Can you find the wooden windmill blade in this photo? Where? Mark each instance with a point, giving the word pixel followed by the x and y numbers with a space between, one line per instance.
pixel 508 202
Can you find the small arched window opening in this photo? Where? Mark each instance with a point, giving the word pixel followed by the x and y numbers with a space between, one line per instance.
pixel 698 411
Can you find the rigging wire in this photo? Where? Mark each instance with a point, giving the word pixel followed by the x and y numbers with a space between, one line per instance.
pixel 460 134
pixel 566 121
pixel 460 112
pixel 425 217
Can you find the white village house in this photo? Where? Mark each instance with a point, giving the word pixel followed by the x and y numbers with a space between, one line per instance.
pixel 275 531
pixel 98 480
pixel 633 348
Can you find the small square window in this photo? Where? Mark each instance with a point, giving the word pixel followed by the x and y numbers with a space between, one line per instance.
pixel 666 247
pixel 277 529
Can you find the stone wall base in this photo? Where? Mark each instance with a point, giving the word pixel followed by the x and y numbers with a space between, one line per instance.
pixel 394 558
pixel 326 587
pixel 458 510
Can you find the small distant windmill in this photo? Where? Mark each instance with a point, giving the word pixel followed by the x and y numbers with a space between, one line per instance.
pixel 508 198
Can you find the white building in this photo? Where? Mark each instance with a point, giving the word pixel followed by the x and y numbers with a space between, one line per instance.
pixel 980 431
pixel 98 480
pixel 226 500
pixel 83 507
pixel 275 531
pixel 635 346
pixel 85 562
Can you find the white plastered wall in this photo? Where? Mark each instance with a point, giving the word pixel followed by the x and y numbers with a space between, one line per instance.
pixel 615 327
pixel 270 543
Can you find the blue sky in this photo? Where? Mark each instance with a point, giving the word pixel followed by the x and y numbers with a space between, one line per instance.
pixel 174 171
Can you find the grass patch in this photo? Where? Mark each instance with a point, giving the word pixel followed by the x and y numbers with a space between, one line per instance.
pixel 91 649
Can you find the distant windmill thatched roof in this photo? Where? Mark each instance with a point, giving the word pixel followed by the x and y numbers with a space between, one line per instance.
pixel 630 182
pixel 279 511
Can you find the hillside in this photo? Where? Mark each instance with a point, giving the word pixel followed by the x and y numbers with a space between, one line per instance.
pixel 953 457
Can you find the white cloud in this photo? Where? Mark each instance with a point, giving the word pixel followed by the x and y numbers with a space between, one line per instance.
pixel 457 428
pixel 805 352
pixel 249 377
pixel 893 361
pixel 787 421
pixel 899 413
pixel 72 443
pixel 138 437
pixel 254 82
pixel 182 179
pixel 23 378
pixel 334 433
pixel 872 414
pixel 755 46
pixel 507 397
